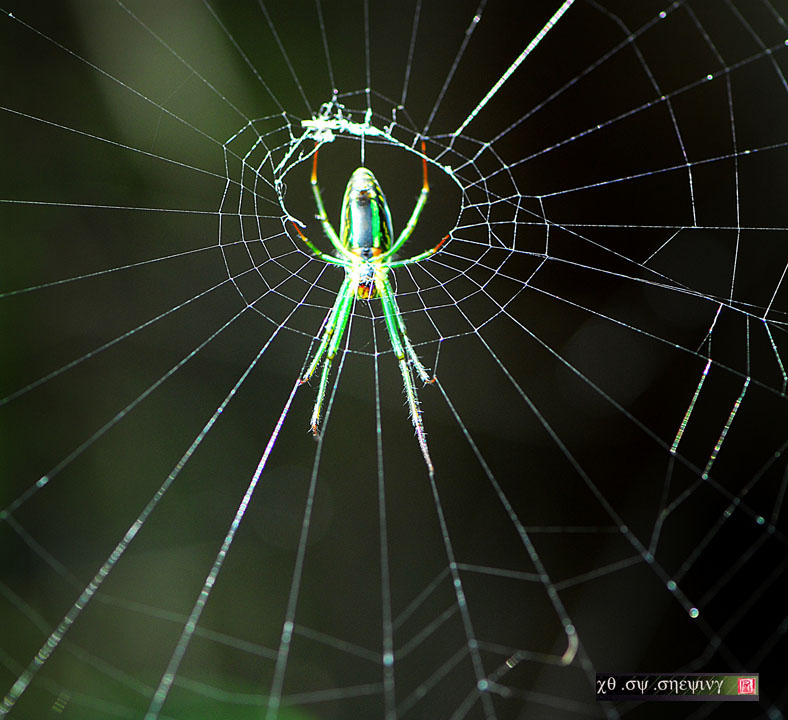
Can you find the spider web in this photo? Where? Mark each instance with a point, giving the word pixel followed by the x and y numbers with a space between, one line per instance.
pixel 606 325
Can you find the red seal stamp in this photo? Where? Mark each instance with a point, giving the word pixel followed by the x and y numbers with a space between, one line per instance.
pixel 746 686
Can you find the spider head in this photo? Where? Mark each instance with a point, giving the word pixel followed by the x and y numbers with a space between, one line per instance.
pixel 366 288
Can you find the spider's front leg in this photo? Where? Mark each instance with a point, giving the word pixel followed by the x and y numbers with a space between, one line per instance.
pixel 404 350
pixel 333 330
pixel 396 314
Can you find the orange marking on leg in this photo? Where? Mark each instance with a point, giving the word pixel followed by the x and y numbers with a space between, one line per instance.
pixel 314 165
pixel 438 246
pixel 298 230
pixel 426 185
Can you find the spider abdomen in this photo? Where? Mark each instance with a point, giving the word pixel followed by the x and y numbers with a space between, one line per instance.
pixel 366 220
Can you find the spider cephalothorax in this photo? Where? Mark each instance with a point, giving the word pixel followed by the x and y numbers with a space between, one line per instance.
pixel 365 249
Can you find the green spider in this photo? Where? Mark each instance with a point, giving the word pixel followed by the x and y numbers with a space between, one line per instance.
pixel 366 252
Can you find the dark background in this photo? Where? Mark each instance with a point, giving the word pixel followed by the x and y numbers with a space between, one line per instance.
pixel 570 388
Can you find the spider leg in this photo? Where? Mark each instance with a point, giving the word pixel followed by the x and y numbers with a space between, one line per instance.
pixel 327 330
pixel 316 251
pixel 329 343
pixel 421 371
pixel 395 326
pixel 419 257
pixel 414 216
pixel 328 228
